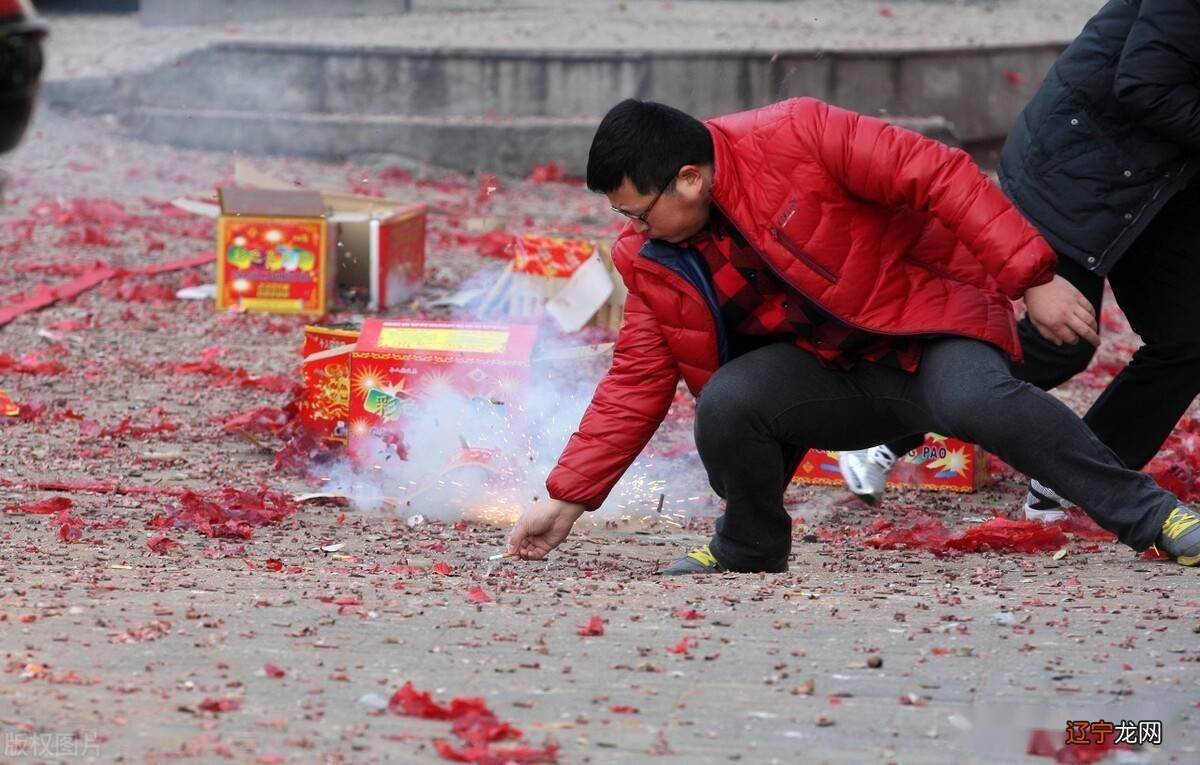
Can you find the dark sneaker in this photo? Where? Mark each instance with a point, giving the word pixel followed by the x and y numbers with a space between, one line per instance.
pixel 1180 536
pixel 698 561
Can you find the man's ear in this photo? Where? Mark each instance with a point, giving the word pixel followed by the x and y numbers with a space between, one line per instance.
pixel 689 181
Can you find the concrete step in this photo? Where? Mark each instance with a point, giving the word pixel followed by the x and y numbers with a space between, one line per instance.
pixel 503 110
pixel 509 146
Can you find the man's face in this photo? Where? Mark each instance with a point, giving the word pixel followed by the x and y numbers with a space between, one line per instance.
pixel 674 213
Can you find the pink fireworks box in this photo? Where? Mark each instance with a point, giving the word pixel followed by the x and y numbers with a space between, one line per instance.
pixel 939 464
pixel 396 364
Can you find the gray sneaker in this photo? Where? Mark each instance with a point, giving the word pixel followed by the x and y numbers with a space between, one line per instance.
pixel 866 471
pixel 698 561
pixel 1180 536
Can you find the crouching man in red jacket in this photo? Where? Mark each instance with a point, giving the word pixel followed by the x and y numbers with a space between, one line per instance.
pixel 820 279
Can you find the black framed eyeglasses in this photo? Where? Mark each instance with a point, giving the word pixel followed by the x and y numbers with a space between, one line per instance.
pixel 645 214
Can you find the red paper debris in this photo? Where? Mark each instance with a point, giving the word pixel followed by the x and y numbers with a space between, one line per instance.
pixel 30 364
pixel 270 670
pixel 475 724
pixel 48 506
pixel 623 710
pixel 223 376
pixel 681 647
pixel 70 528
pixel 477 595
pixel 441 567
pixel 593 628
pixel 228 513
pixel 551 172
pixel 260 421
pixel 995 534
pixel 163 545
pixel 498 756
pixel 220 705
pixel 687 614
pixel 273 564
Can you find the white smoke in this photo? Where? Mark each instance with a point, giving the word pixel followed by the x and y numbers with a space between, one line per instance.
pixel 517 444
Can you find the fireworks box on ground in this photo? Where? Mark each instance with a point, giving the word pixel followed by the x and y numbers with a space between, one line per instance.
pixel 288 250
pixel 273 252
pixel 573 280
pixel 939 464
pixel 324 408
pixel 396 365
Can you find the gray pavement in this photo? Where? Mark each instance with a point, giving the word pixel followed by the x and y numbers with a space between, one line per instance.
pixel 103 45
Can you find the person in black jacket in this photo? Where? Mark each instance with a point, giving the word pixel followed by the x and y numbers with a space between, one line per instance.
pixel 1104 162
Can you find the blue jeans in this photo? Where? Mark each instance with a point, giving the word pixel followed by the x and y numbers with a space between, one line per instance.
pixel 762 411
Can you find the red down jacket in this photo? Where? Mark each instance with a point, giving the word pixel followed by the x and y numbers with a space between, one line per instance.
pixel 886 230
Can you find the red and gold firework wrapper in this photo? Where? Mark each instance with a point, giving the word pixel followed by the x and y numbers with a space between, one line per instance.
pixel 396 364
pixel 939 464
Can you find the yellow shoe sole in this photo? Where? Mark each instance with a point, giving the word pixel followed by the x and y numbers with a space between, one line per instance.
pixel 1188 560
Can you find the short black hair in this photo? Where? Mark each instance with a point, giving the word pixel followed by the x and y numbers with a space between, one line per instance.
pixel 647 143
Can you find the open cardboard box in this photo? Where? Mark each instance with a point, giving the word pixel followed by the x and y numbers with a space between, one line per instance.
pixel 380 242
pixel 374 245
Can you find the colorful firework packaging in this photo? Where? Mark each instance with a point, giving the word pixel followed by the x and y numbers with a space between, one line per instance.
pixel 273 252
pixel 397 364
pixel 288 250
pixel 324 407
pixel 941 463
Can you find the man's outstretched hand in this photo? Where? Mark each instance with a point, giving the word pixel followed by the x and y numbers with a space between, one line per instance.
pixel 1060 313
pixel 543 527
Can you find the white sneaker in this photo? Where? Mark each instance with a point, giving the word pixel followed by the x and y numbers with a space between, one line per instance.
pixel 1043 504
pixel 866 471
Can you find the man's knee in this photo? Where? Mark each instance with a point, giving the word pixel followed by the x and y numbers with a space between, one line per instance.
pixel 717 408
pixel 962 402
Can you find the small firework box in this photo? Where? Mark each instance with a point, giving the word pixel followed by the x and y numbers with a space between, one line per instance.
pixel 273 252
pixel 324 408
pixel 939 464
pixel 557 275
pixel 269 237
pixel 395 364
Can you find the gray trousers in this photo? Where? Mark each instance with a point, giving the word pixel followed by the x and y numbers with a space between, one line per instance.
pixel 762 411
